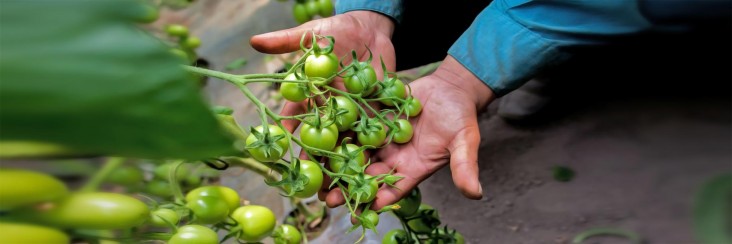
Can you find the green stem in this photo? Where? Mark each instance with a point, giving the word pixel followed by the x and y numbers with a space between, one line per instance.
pixel 253 165
pixel 213 73
pixel 96 180
pixel 174 184
pixel 633 237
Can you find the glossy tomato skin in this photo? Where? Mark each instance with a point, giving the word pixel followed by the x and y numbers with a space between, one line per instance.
pixel 423 225
pixel 288 235
pixel 321 65
pixel 397 89
pixel 312 8
pixel 194 234
pixel 256 222
pixel 26 233
pixel 358 81
pixel 404 133
pixel 208 209
pixel 160 188
pixel 409 204
pixel 23 187
pixel 177 30
pixel 345 121
pixel 259 153
pixel 300 12
pixel 315 178
pixel 126 175
pixel 374 137
pixel 160 216
pixel 372 188
pixel 92 210
pixel 228 195
pixel 326 8
pixel 321 138
pixel 336 164
pixel 163 171
pixel 293 92
pixel 372 216
pixel 395 236
pixel 413 107
pixel 192 42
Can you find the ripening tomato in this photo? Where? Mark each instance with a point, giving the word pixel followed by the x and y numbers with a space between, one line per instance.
pixel 20 187
pixel 208 209
pixel 192 42
pixel 177 30
pixel 300 13
pixel 370 187
pixel 91 210
pixel 321 138
pixel 267 153
pixel 312 8
pixel 439 236
pixel 256 222
pixel 321 65
pixel 194 234
pixel 412 107
pixel 374 136
pixel 395 236
pixel 371 216
pixel 315 178
pixel 326 8
pixel 357 81
pixel 345 121
pixel 403 132
pixel 293 92
pixel 337 164
pixel 26 233
pixel 228 195
pixel 394 88
pixel 287 234
pixel 127 175
pixel 427 223
pixel 159 188
pixel 409 204
pixel 164 217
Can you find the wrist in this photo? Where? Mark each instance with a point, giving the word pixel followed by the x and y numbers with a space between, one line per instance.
pixel 453 72
pixel 373 21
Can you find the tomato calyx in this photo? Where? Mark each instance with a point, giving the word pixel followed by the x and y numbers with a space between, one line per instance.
pixel 292 180
pixel 445 235
pixel 266 142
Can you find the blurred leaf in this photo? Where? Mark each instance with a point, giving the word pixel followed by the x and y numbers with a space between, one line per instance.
pixel 237 63
pixel 713 211
pixel 80 76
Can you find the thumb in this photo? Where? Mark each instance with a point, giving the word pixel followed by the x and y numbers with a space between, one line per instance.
pixel 283 41
pixel 464 161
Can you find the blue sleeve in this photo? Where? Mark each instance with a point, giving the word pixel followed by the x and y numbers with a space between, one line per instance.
pixel 511 40
pixel 391 8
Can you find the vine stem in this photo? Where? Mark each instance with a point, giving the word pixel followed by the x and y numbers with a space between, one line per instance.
pixel 96 180
pixel 173 179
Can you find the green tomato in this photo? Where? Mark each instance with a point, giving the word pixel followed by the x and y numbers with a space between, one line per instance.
pixel 208 209
pixel 397 89
pixel 163 171
pixel 427 223
pixel 192 42
pixel 180 53
pixel 159 188
pixel 321 65
pixel 148 14
pixel 312 8
pixel 315 178
pixel 372 137
pixel 294 92
pixel 337 164
pixel 412 107
pixel 92 210
pixel 300 13
pixel 230 197
pixel 320 138
pixel 256 222
pixel 440 237
pixel 264 154
pixel 287 234
pixel 395 236
pixel 326 8
pixel 19 233
pixel 23 187
pixel 404 131
pixel 371 187
pixel 194 234
pixel 409 204
pixel 161 215
pixel 359 80
pixel 345 121
pixel 177 30
pixel 371 216
pixel 126 175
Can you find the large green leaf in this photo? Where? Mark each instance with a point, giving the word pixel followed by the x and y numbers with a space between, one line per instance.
pixel 713 211
pixel 81 76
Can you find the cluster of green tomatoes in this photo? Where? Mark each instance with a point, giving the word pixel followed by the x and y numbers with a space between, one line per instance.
pixel 184 44
pixel 305 10
pixel 43 210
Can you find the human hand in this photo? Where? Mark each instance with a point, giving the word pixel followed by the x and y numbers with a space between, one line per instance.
pixel 445 132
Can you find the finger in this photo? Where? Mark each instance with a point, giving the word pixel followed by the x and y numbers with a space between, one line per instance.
pixel 334 198
pixel 388 195
pixel 291 109
pixel 464 162
pixel 283 41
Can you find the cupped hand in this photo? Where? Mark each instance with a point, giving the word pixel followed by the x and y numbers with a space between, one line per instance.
pixel 445 132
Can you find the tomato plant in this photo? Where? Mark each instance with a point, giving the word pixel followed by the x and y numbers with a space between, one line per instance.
pixel 312 171
pixel 208 209
pixel 412 107
pixel 93 210
pixel 344 120
pixel 226 194
pixel 362 80
pixel 322 136
pixel 26 233
pixel 287 234
pixel 294 92
pixel 404 132
pixel 267 147
pixel 321 65
pixel 409 204
pixel 300 12
pixel 164 217
pixel 35 188
pixel 355 159
pixel 393 88
pixel 372 134
pixel 395 236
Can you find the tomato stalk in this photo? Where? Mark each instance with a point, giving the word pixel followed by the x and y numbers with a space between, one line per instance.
pixel 174 185
pixel 96 180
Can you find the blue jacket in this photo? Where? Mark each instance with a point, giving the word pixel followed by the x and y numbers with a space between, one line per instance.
pixel 510 40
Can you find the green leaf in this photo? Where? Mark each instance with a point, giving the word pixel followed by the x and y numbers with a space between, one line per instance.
pixel 713 211
pixel 82 76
